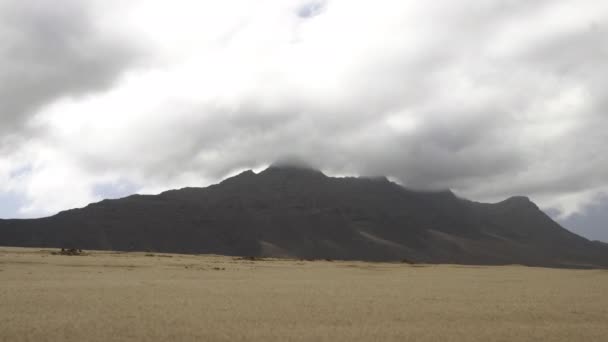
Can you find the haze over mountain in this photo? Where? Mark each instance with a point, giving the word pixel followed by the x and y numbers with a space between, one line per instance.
pixel 299 212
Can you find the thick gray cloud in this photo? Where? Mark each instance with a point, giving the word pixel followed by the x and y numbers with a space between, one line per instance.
pixel 491 100
pixel 50 50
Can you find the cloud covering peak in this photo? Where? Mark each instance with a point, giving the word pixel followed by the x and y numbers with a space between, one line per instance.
pixel 490 99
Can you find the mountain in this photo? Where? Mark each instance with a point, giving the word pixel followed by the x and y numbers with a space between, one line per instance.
pixel 299 212
pixel 600 243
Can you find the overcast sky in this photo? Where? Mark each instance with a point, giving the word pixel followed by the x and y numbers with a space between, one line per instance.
pixel 489 98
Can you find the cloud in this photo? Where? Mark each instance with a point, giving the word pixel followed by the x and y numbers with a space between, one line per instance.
pixel 311 9
pixel 591 221
pixel 491 99
pixel 49 51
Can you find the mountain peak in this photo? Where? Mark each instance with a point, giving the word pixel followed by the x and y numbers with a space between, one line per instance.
pixel 292 166
pixel 518 199
pixel 292 170
pixel 519 202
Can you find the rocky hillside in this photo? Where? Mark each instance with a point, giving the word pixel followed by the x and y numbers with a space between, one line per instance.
pixel 301 213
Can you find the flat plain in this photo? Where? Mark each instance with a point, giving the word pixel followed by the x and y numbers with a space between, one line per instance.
pixel 111 296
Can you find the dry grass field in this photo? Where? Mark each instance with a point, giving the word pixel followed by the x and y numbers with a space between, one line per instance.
pixel 107 296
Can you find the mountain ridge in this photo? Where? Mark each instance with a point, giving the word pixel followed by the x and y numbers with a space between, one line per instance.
pixel 299 212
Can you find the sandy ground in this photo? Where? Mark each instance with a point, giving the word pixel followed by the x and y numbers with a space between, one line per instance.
pixel 153 297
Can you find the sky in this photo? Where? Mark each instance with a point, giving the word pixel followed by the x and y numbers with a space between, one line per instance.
pixel 101 99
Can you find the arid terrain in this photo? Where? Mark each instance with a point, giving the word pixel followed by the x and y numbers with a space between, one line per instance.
pixel 104 296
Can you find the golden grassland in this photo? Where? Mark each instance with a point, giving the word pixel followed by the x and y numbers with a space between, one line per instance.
pixel 107 296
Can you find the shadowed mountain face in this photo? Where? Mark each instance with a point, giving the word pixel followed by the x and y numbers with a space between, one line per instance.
pixel 299 212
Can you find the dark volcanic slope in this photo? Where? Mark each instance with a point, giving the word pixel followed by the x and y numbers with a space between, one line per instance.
pixel 299 212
